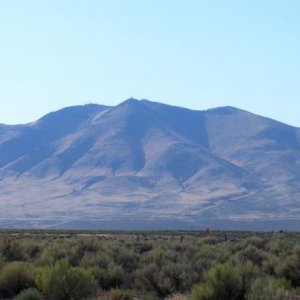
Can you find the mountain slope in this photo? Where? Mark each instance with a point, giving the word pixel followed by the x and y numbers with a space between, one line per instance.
pixel 143 164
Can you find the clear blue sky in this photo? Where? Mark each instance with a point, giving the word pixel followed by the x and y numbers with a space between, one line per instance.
pixel 197 54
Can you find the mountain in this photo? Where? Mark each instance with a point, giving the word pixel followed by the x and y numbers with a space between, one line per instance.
pixel 142 165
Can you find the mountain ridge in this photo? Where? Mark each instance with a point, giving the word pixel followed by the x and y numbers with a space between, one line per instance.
pixel 150 163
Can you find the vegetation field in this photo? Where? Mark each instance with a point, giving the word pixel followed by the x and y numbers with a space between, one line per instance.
pixel 196 265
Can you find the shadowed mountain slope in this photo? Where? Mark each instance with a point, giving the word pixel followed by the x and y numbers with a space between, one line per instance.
pixel 143 164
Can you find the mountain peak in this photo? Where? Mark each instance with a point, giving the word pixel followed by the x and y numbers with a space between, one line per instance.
pixel 130 100
pixel 225 110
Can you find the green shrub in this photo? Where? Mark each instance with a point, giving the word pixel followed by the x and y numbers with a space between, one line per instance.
pixel 178 276
pixel 253 254
pixel 112 277
pixel 29 294
pixel 52 253
pixel 16 277
pixel 32 249
pixel 155 265
pixel 168 279
pixel 117 294
pixel 264 288
pixel 149 296
pixel 146 279
pixel 143 247
pixel 252 241
pixel 221 282
pixel 88 260
pixel 12 250
pixel 60 282
pixel 124 258
pixel 247 272
pixel 290 267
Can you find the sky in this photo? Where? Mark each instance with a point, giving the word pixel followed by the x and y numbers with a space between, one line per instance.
pixel 191 53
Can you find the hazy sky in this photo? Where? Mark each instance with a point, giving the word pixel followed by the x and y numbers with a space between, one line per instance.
pixel 197 54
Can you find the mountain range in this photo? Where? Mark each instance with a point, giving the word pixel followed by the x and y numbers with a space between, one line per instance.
pixel 147 165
